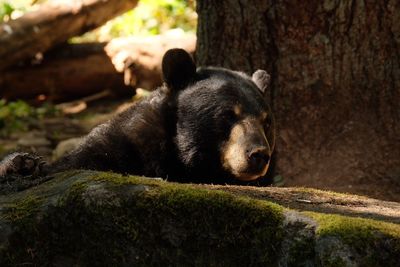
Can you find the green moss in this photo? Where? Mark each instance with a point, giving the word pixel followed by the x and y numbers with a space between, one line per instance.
pixel 22 216
pixel 120 179
pixel 211 228
pixel 350 228
pixel 314 191
pixel 333 262
pixel 376 241
pixel 23 209
pixel 195 226
pixel 77 188
pixel 105 219
pixel 302 249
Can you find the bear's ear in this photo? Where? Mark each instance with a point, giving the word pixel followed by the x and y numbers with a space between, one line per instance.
pixel 262 79
pixel 178 68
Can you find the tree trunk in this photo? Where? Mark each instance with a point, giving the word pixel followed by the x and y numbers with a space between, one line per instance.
pixel 52 24
pixel 76 70
pixel 86 218
pixel 336 83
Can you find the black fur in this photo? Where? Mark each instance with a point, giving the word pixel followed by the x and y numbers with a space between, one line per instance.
pixel 176 132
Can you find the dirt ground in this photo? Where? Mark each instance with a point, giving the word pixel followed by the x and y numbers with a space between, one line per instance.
pixel 48 139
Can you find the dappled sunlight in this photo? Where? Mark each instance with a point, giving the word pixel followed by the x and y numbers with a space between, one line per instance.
pixel 150 17
pixel 193 132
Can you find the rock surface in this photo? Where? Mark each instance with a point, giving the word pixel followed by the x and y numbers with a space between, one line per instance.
pixel 85 218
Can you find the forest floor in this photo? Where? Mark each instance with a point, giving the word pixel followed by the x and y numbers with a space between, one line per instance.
pixel 52 137
pixel 46 136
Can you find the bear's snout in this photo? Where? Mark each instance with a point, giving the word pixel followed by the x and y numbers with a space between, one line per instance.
pixel 258 158
pixel 246 154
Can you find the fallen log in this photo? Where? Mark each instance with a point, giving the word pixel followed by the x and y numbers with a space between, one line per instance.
pixel 87 218
pixel 77 70
pixel 52 24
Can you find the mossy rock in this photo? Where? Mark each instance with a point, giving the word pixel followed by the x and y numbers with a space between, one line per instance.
pixel 84 218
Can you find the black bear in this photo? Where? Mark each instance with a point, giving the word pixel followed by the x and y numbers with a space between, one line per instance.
pixel 210 125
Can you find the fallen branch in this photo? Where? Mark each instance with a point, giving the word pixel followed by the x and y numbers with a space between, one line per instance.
pixel 79 105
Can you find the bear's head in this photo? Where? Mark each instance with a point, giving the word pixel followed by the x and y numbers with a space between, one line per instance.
pixel 224 127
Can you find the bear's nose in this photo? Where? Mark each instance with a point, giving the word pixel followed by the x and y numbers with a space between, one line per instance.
pixel 258 157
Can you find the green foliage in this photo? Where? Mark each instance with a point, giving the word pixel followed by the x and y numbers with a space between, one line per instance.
pixel 12 8
pixel 14 116
pixel 18 115
pixel 5 10
pixel 154 17
pixel 150 17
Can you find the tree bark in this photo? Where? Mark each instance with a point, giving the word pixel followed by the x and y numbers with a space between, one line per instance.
pixel 52 24
pixel 77 70
pixel 336 83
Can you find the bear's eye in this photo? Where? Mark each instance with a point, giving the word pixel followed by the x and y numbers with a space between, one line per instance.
pixel 267 121
pixel 264 116
pixel 230 115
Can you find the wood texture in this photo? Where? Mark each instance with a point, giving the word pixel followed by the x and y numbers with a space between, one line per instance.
pixel 52 24
pixel 336 83
pixel 77 70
